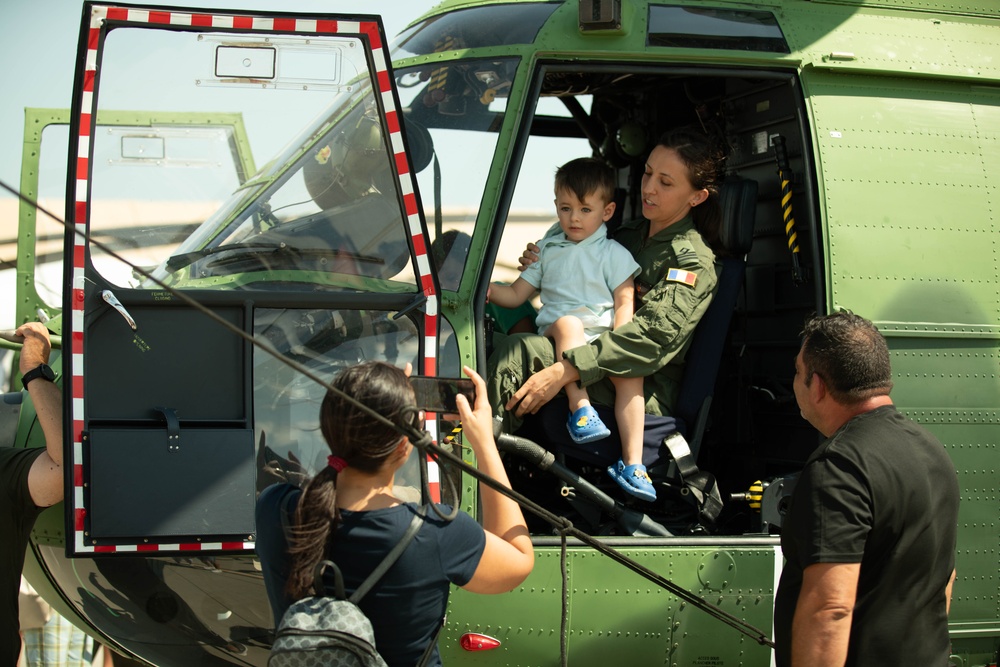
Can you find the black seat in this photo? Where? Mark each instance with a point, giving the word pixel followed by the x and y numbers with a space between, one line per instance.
pixel 738 199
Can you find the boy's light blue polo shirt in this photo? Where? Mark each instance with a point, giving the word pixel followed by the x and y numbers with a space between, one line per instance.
pixel 579 279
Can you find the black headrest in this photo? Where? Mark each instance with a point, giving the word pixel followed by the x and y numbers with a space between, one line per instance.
pixel 738 199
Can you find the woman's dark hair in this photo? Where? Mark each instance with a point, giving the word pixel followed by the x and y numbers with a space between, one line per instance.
pixel 703 158
pixel 362 442
pixel 850 354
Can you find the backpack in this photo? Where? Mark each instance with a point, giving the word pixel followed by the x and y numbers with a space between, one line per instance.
pixel 332 631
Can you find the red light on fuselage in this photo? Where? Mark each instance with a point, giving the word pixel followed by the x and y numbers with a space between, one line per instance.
pixel 473 641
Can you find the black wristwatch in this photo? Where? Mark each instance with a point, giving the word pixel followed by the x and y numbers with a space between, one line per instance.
pixel 41 371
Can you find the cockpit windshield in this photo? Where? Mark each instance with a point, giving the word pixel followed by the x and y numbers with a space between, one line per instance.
pixel 326 204
pixel 474 28
pixel 325 210
pixel 452 117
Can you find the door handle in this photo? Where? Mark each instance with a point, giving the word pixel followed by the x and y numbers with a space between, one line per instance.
pixel 113 301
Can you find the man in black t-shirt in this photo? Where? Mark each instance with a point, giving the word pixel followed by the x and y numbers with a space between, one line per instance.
pixel 869 538
pixel 30 480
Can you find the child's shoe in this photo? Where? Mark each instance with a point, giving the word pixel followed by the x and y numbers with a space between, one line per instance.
pixel 634 480
pixel 585 426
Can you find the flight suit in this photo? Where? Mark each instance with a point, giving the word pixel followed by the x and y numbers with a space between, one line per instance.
pixel 652 345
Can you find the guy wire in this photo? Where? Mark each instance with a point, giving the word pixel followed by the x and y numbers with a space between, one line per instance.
pixel 422 440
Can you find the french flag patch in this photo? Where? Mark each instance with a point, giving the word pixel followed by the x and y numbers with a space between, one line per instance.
pixel 682 276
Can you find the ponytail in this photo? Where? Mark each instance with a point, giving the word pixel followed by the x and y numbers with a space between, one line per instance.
pixel 315 520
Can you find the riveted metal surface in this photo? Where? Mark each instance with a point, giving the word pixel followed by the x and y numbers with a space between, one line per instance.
pixel 608 601
pixel 913 256
pixel 893 43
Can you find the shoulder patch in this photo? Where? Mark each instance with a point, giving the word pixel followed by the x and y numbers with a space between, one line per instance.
pixel 685 252
pixel 681 276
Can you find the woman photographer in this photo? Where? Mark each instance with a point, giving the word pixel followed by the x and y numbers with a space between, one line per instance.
pixel 349 514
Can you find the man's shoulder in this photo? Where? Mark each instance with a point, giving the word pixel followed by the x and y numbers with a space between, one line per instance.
pixel 884 433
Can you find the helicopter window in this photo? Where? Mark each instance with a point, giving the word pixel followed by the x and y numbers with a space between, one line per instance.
pixel 474 28
pixel 704 28
pixel 51 195
pixel 323 211
pixel 286 403
pixel 555 140
pixel 451 113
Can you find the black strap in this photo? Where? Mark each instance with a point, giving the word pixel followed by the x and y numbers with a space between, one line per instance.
pixel 430 647
pixel 391 557
pixel 702 485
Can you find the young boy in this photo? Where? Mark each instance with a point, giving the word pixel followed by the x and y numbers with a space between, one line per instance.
pixel 585 282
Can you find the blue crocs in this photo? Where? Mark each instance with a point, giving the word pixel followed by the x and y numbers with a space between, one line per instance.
pixel 585 426
pixel 634 480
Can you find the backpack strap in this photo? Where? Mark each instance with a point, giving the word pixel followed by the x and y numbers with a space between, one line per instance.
pixel 425 658
pixel 319 586
pixel 391 557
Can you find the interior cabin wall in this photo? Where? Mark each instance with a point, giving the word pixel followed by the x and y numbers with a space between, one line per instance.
pixel 755 430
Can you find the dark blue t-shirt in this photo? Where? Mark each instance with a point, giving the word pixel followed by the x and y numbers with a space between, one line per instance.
pixel 407 605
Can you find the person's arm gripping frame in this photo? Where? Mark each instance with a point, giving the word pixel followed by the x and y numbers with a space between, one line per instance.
pixel 45 478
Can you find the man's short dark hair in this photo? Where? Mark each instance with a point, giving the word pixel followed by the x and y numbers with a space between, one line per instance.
pixel 849 353
pixel 587 176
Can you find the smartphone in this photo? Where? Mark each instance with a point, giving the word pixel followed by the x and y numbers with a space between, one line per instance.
pixel 436 394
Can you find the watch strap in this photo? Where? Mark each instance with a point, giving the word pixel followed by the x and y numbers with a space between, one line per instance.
pixel 38 371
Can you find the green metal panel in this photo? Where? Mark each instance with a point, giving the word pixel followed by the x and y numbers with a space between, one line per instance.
pixel 608 602
pixel 979 7
pixel 910 205
pixel 883 41
pixel 908 174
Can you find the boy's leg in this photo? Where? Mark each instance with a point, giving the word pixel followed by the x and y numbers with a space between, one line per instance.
pixel 631 418
pixel 584 424
pixel 567 332
pixel 629 472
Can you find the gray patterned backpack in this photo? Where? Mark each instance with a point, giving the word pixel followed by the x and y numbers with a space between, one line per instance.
pixel 332 631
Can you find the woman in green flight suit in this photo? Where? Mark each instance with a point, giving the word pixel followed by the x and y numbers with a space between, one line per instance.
pixel 672 243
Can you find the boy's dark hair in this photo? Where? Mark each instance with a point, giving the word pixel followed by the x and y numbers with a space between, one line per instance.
pixel 850 354
pixel 586 175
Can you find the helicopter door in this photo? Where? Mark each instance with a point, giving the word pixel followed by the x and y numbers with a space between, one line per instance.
pixel 200 296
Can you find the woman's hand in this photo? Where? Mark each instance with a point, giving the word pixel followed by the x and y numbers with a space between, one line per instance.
pixel 477 420
pixel 528 257
pixel 508 556
pixel 542 387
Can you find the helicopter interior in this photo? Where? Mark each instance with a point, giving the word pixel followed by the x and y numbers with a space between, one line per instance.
pixel 743 424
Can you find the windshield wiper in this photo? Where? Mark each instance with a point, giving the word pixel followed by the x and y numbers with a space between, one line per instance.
pixel 178 262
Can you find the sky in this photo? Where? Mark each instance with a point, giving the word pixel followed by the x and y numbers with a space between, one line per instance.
pixel 39 49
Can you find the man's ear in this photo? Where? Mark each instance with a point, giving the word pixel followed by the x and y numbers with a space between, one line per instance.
pixel 817 388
